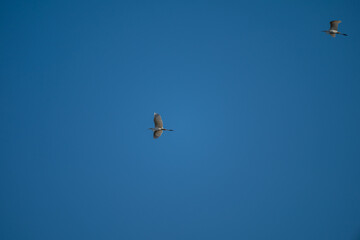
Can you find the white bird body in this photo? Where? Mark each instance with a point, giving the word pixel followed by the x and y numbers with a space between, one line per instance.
pixel 156 129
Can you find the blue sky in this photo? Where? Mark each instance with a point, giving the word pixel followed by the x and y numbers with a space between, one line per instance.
pixel 264 105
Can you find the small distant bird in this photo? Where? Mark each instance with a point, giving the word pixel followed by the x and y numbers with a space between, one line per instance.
pixel 158 126
pixel 334 29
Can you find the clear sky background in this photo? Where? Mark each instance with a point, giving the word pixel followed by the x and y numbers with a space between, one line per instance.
pixel 264 105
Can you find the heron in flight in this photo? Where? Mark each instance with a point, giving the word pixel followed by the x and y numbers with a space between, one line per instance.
pixel 334 28
pixel 158 130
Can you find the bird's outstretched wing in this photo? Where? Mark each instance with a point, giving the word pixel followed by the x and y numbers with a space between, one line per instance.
pixel 158 121
pixel 334 25
pixel 157 134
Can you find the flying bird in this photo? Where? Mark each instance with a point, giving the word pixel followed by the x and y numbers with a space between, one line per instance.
pixel 158 130
pixel 334 29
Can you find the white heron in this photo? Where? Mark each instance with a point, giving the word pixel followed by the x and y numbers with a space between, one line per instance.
pixel 334 28
pixel 158 130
